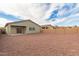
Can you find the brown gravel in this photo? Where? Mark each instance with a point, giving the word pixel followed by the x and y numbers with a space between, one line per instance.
pixel 42 44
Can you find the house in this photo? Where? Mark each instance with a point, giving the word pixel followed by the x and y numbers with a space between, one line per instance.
pixel 22 27
pixel 44 27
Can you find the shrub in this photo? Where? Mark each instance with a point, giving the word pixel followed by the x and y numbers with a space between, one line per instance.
pixel 2 31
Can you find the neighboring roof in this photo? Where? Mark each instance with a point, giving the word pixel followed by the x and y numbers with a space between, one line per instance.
pixel 22 21
pixel 47 25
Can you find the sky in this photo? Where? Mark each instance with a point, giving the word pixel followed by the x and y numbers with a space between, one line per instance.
pixel 61 14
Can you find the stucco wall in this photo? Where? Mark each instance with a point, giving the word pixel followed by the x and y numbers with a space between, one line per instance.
pixel 30 24
pixel 8 29
pixel 13 30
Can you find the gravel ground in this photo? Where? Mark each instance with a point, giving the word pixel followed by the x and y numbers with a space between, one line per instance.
pixel 42 44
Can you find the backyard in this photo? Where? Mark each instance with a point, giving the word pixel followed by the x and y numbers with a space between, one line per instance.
pixel 41 44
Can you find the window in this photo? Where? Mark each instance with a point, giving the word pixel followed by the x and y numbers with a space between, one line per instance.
pixel 19 30
pixel 31 28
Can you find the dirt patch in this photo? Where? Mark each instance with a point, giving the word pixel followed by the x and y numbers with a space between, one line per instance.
pixel 43 44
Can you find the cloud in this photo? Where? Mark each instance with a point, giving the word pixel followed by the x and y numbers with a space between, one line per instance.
pixel 37 12
pixel 8 16
pixel 62 11
pixel 3 22
pixel 41 13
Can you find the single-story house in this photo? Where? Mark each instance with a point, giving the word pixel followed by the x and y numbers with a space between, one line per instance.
pixel 44 27
pixel 22 27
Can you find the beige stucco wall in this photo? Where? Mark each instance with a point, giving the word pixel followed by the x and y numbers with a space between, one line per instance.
pixel 13 30
pixel 8 29
pixel 37 28
pixel 27 24
pixel 50 27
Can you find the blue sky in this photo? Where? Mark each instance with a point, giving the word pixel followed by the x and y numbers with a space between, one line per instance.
pixel 8 16
pixel 62 14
